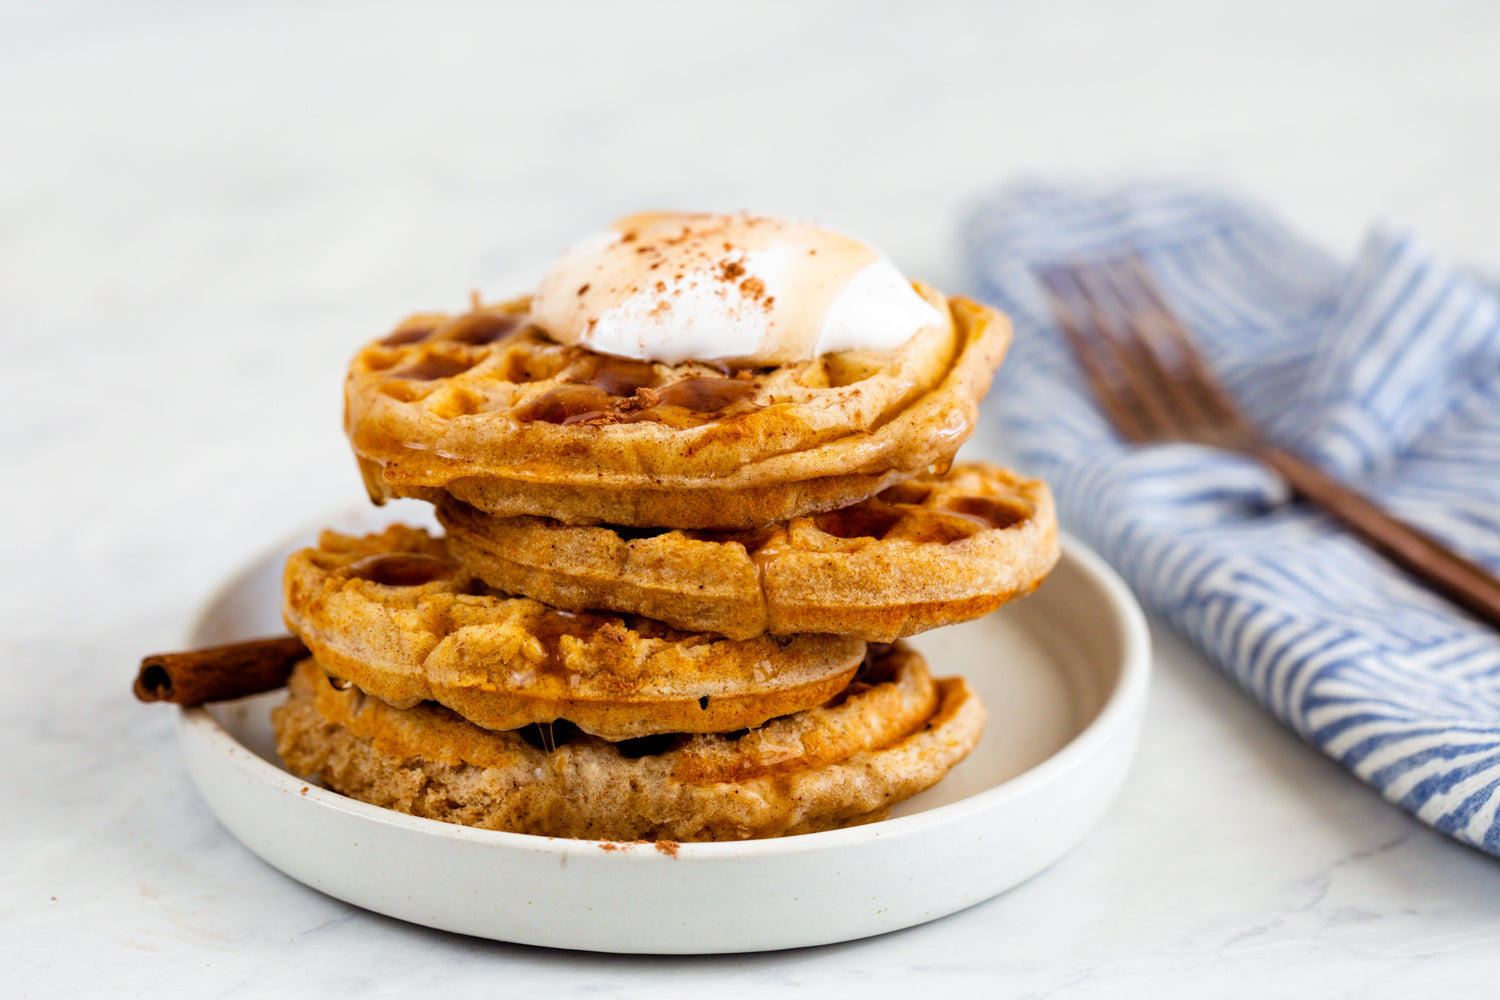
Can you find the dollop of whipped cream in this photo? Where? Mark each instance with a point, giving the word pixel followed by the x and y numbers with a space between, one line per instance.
pixel 748 289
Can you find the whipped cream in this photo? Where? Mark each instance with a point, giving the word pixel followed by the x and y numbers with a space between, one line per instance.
pixel 749 289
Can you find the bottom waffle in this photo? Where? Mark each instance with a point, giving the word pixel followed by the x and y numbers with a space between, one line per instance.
pixel 894 732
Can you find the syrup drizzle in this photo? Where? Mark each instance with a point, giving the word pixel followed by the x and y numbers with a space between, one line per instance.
pixel 865 520
pixel 550 626
pixel 878 667
pixel 991 512
pixel 569 403
pixel 401 569
pixel 478 329
pixel 620 376
pixel 705 395
pixel 622 391
pixel 433 368
pixel 408 336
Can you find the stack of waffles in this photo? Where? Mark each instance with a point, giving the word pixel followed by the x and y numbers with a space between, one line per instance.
pixel 669 598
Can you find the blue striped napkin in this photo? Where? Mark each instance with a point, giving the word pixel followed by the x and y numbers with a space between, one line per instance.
pixel 1386 372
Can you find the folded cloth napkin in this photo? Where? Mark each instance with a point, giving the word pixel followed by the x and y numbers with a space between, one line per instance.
pixel 1386 373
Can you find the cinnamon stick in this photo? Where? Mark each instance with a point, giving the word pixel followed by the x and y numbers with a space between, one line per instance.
pixel 219 673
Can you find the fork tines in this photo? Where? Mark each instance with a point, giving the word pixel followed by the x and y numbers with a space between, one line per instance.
pixel 1150 379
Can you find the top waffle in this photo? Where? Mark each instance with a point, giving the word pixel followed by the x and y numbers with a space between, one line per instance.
pixel 487 407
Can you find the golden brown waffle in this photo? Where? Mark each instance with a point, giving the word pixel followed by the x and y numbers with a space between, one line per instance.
pixel 396 616
pixel 838 765
pixel 488 408
pixel 932 551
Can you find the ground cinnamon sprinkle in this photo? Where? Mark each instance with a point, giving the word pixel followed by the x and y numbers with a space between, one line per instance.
pixel 611 632
pixel 665 846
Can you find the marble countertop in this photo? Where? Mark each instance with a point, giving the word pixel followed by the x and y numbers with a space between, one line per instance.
pixel 205 207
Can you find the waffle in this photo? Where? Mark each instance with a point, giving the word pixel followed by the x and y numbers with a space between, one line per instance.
pixel 396 616
pixel 845 763
pixel 486 407
pixel 932 551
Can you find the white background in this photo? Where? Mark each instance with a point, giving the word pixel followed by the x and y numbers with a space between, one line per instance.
pixel 205 207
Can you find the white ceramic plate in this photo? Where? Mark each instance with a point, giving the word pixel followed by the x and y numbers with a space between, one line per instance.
pixel 1063 674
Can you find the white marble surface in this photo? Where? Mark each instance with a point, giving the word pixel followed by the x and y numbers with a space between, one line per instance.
pixel 205 207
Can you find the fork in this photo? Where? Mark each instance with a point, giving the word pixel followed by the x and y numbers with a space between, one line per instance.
pixel 1154 385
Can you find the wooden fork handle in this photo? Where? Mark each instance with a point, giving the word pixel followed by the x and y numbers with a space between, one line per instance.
pixel 1462 581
